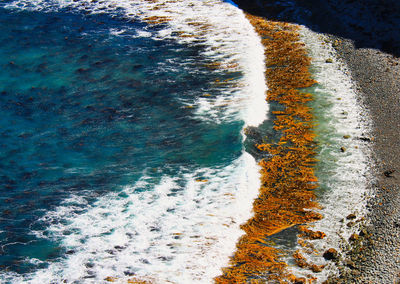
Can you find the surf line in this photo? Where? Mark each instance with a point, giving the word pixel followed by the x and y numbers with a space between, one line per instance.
pixel 286 197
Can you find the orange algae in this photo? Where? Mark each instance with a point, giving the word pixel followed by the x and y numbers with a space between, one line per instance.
pixel 139 281
pixel 133 280
pixel 286 197
pixel 155 20
pixel 311 235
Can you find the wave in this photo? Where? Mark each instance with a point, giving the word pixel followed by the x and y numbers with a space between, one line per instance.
pixel 230 43
pixel 180 228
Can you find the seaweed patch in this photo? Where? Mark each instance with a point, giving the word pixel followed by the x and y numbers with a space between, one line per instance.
pixel 286 197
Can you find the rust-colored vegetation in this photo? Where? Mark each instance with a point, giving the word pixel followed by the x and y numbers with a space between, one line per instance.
pixel 309 234
pixel 139 281
pixel 156 20
pixel 133 280
pixel 286 195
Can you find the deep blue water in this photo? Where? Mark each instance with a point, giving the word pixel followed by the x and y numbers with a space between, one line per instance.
pixel 84 111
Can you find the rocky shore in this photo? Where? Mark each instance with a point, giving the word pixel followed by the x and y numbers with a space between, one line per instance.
pixel 371 54
pixel 366 37
pixel 374 254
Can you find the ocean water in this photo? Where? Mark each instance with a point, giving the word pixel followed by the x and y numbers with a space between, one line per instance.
pixel 122 140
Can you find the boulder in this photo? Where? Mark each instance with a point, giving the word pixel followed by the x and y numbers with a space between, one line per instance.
pixel 331 254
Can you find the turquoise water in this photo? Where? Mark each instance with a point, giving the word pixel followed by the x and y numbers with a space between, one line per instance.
pixel 85 112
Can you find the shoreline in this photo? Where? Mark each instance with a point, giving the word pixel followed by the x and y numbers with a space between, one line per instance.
pixel 343 167
pixel 372 254
pixel 286 197
pixel 375 256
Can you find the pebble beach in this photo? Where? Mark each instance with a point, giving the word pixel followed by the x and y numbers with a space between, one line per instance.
pixel 377 75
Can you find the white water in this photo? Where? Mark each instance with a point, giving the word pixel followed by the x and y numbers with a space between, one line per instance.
pixel 230 39
pixel 346 174
pixel 178 229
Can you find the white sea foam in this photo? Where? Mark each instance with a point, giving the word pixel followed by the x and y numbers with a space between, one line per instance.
pixel 229 38
pixel 180 230
pixel 117 32
pixel 340 112
pixel 177 229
